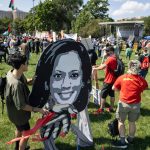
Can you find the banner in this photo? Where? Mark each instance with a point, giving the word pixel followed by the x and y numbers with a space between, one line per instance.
pixel 70 36
pixel 41 35
pixel 126 31
pixel 96 95
pixel 85 128
pixel 87 42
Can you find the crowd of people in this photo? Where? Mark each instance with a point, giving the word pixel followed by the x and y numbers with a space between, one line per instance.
pixel 130 85
pixel 26 45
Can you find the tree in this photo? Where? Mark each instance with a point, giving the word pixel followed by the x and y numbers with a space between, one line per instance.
pixel 94 29
pixel 4 23
pixel 83 18
pixel 98 8
pixel 94 9
pixel 18 26
pixel 53 15
pixel 147 25
pixel 28 22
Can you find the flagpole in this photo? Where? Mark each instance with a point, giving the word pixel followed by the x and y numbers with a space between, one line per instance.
pixel 33 16
pixel 11 5
pixel 14 32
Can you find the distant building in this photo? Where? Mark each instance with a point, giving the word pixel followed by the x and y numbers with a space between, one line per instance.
pixel 125 29
pixel 20 14
pixel 13 14
pixel 6 14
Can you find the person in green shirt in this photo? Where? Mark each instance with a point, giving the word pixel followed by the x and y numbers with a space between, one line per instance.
pixel 128 51
pixel 16 94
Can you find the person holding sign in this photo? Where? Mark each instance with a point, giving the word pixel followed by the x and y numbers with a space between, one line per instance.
pixel 16 94
pixel 62 86
pixel 109 65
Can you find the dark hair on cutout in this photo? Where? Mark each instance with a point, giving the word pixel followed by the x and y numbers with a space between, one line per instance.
pixel 16 60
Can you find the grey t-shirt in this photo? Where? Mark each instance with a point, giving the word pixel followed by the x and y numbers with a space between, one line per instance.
pixel 16 94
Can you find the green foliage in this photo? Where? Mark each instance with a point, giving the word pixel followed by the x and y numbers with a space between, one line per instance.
pixel 66 15
pixel 29 23
pixel 87 21
pixel 53 15
pixel 83 18
pixel 18 26
pixel 4 24
pixel 147 25
pixel 94 29
pixel 98 8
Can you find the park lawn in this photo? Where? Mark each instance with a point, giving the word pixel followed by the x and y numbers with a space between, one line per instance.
pixel 98 123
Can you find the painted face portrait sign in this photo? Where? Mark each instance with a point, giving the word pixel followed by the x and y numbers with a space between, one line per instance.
pixel 62 85
pixel 63 75
pixel 66 80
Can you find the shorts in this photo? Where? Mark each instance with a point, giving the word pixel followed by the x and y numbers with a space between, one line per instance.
pixel 107 90
pixel 24 127
pixel 130 110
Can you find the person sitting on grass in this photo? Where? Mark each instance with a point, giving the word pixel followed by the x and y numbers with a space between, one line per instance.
pixel 130 85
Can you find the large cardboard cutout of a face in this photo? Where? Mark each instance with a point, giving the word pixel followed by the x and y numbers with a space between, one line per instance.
pixel 63 76
pixel 66 80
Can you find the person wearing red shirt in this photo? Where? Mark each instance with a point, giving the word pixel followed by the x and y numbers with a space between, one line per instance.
pixel 109 65
pixel 144 59
pixel 130 85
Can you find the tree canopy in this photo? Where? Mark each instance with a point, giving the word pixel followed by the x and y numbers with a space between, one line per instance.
pixel 4 23
pixel 98 8
pixel 53 15
pixel 147 25
pixel 87 22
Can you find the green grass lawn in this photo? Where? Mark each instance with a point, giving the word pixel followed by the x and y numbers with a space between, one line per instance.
pixel 98 123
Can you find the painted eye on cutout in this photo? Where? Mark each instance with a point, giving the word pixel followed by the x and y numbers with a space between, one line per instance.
pixel 57 75
pixel 74 75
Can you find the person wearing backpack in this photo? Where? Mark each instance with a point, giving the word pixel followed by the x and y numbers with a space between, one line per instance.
pixel 109 66
pixel 130 85
pixel 16 95
pixel 145 62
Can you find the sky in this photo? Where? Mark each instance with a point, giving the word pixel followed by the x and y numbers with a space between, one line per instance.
pixel 118 9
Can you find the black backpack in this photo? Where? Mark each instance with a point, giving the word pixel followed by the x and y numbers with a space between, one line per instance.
pixel 113 128
pixel 2 88
pixel 120 68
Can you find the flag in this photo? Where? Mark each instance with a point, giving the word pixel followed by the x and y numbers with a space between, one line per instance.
pixel 11 4
pixel 9 28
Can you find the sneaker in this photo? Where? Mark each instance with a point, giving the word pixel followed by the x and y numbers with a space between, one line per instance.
pixel 129 141
pixel 109 109
pixel 119 144
pixel 98 111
